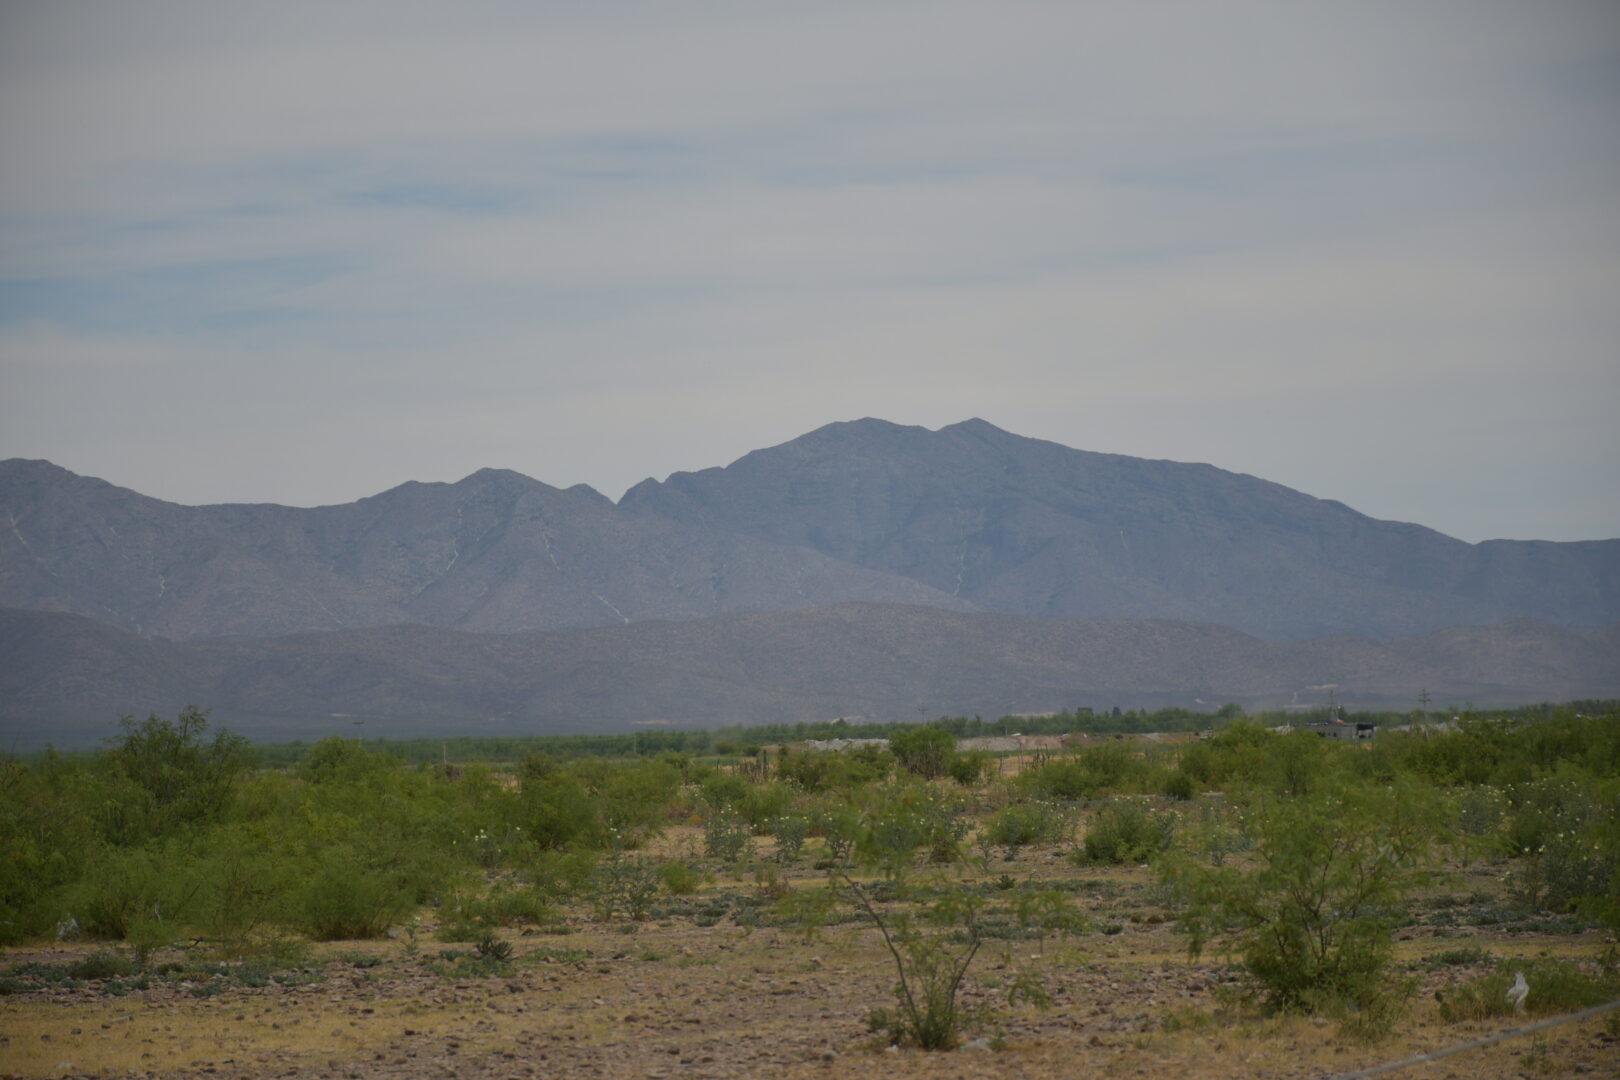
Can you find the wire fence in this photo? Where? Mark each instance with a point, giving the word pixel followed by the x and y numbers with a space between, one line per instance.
pixel 1491 1040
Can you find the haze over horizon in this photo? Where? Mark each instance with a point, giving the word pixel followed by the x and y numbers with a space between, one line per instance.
pixel 303 254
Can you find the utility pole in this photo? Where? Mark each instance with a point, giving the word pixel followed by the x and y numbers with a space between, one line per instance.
pixel 360 726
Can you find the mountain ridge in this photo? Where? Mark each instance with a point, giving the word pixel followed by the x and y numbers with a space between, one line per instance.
pixel 966 517
pixel 1034 527
pixel 495 550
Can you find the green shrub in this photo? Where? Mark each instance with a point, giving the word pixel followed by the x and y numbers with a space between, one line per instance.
pixel 790 833
pixel 504 905
pixel 1086 773
pixel 1066 778
pixel 623 886
pixel 102 965
pixel 725 835
pixel 1180 785
pixel 834 770
pixel 725 789
pixel 126 891
pixel 679 878
pixel 1125 832
pixel 765 804
pixel 1465 956
pixel 1313 915
pixel 343 900
pixel 242 890
pixel 1565 828
pixel 493 949
pixel 1047 911
pixel 972 768
pixel 1022 824
pixel 924 750
pixel 840 828
pixel 510 906
pixel 558 875
pixel 632 798
pixel 336 760
pixel 557 811
pixel 47 824
pixel 168 775
pixel 1296 764
pixel 1480 811
pixel 908 819
pixel 932 948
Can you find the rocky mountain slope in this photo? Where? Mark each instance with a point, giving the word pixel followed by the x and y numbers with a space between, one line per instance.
pixel 969 517
pixel 496 551
pixel 67 678
pixel 1030 527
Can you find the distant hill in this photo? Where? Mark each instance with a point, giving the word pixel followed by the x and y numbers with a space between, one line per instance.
pixel 496 551
pixel 67 678
pixel 1030 527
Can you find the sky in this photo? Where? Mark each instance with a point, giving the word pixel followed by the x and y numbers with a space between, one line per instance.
pixel 303 252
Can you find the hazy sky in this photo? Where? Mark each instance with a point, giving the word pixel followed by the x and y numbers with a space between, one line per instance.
pixel 302 252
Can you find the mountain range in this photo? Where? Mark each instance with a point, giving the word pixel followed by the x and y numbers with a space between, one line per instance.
pixel 987 570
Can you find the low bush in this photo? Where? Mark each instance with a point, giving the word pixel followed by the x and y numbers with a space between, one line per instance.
pixel 102 965
pixel 1180 785
pixel 1125 832
pixel 726 836
pixel 623 886
pixel 972 768
pixel 679 878
pixel 839 827
pixel 1024 824
pixel 342 900
pixel 790 833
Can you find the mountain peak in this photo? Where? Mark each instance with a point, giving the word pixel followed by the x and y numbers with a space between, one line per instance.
pixel 975 425
pixel 497 476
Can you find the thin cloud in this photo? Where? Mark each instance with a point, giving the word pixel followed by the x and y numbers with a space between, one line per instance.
pixel 303 252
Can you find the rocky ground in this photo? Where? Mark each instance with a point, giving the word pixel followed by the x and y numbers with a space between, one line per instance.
pixel 695 993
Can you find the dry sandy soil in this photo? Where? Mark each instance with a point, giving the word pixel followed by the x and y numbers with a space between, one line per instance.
pixel 673 998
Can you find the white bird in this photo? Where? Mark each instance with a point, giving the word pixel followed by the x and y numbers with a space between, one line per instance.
pixel 1518 992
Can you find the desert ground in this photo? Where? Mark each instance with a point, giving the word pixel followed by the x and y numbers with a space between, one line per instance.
pixel 712 984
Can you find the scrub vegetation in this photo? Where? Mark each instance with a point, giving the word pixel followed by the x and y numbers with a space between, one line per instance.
pixel 1002 903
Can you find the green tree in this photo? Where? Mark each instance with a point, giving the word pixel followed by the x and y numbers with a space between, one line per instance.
pixel 925 750
pixel 167 775
pixel 1312 914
